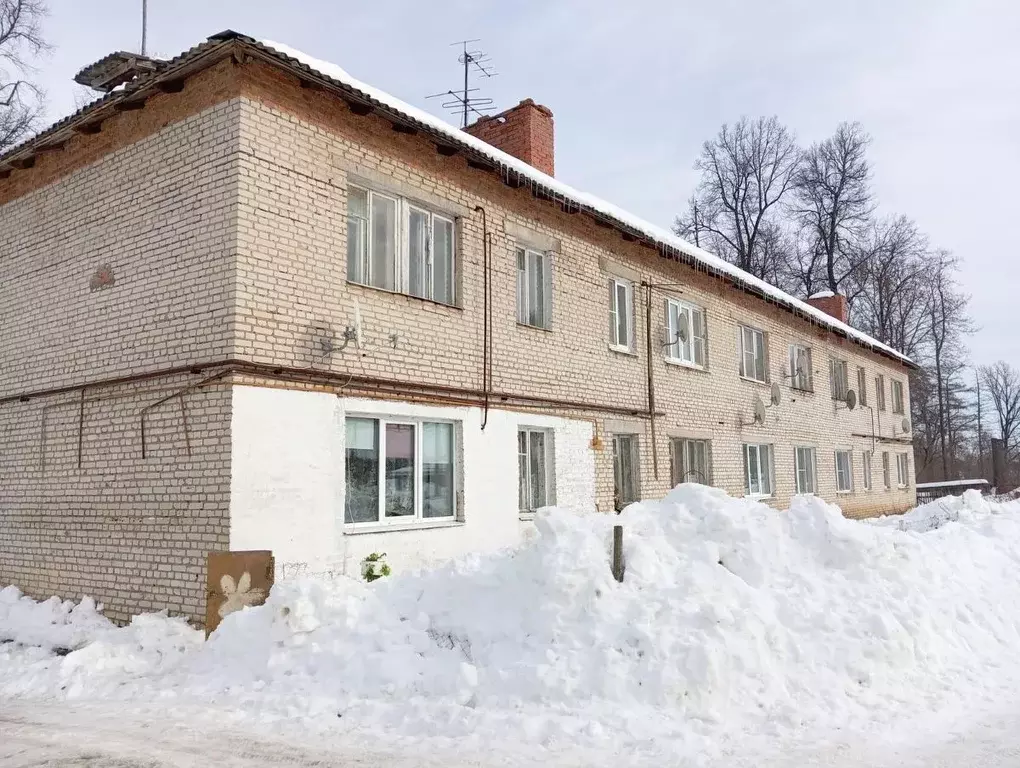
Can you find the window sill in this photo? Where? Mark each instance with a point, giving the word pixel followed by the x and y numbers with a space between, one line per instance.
pixel 354 529
pixel 801 390
pixel 844 493
pixel 533 327
pixel 682 364
pixel 622 350
pixel 526 517
pixel 411 296
pixel 762 382
pixel 758 496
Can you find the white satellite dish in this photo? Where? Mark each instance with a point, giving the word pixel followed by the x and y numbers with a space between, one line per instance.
pixel 759 410
pixel 851 400
pixel 683 333
pixel 905 424
pixel 776 394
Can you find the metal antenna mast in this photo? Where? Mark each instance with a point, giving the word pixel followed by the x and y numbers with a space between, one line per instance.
pixel 145 22
pixel 462 101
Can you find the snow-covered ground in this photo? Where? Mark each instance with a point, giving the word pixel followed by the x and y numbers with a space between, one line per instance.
pixel 740 636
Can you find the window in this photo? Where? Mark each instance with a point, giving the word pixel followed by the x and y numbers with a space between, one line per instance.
pixel 838 379
pixel 691 461
pixel 399 471
pixel 399 246
pixel 897 395
pixel 862 387
pixel 804 465
pixel 685 332
pixel 758 470
pixel 844 472
pixel 625 470
pixel 753 354
pixel 621 314
pixel 880 392
pixel 800 368
pixel 867 470
pixel 885 470
pixel 901 470
pixel 535 463
pixel 534 288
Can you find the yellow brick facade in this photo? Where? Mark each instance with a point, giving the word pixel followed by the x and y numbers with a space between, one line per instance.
pixel 209 229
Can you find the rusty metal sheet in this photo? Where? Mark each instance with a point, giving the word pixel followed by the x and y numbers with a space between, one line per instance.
pixel 236 580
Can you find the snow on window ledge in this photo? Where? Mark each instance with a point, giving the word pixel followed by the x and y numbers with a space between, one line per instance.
pixel 354 529
pixel 684 364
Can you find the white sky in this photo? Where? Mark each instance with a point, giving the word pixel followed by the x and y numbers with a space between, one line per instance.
pixel 636 86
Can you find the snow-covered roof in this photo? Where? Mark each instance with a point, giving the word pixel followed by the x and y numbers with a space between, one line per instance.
pixel 951 483
pixel 661 236
pixel 662 239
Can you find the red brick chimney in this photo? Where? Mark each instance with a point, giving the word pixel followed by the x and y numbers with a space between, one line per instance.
pixel 831 304
pixel 524 131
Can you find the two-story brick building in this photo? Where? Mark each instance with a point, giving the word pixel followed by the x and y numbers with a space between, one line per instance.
pixel 249 302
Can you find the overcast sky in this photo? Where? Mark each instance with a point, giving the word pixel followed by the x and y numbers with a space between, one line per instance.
pixel 637 86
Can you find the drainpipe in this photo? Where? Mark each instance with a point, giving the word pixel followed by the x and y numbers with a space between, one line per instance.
pixel 486 320
pixel 651 377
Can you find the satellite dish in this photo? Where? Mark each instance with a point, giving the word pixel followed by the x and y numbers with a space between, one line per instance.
pixel 682 333
pixel 905 424
pixel 776 394
pixel 851 400
pixel 759 410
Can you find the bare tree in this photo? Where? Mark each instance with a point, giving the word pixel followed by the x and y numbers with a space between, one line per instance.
pixel 20 40
pixel 746 170
pixel 832 204
pixel 1002 383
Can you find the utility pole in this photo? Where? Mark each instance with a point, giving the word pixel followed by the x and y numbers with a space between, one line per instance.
pixel 145 22
pixel 697 242
pixel 981 455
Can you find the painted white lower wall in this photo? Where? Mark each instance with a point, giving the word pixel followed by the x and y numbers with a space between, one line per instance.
pixel 288 480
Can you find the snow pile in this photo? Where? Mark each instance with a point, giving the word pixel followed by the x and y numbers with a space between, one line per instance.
pixel 730 614
pixel 935 514
pixel 53 623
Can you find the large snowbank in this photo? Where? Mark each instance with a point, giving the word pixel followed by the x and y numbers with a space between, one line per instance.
pixel 731 614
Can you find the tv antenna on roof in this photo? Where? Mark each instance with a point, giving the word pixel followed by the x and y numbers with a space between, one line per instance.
pixel 462 101
pixel 145 23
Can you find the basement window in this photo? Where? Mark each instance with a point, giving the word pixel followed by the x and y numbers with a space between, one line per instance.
pixel 399 246
pixel 399 471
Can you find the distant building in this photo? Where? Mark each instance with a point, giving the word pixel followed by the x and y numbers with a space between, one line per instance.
pixel 250 303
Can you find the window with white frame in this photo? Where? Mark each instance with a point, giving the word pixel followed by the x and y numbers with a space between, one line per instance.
pixel 885 470
pixel 880 392
pixel 691 461
pixel 625 470
pixel 806 469
pixel 862 386
pixel 838 379
pixel 800 367
pixel 399 470
pixel 535 465
pixel 685 333
pixel 621 314
pixel 753 353
pixel 844 472
pixel 897 395
pixel 534 288
pixel 901 470
pixel 867 470
pixel 398 245
pixel 758 470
